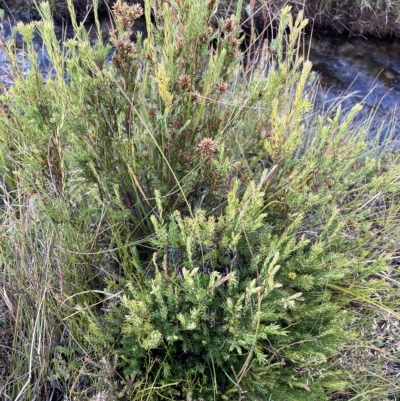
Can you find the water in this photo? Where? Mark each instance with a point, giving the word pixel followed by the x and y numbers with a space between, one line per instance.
pixel 362 70
pixel 45 66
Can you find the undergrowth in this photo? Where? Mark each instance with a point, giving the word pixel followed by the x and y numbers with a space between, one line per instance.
pixel 178 225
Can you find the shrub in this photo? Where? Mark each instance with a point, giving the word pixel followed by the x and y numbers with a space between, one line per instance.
pixel 185 226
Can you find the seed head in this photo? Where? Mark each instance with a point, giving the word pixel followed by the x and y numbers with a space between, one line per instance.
pixel 137 9
pixel 126 14
pixel 229 24
pixel 233 42
pixel 222 86
pixel 125 47
pixel 196 97
pixel 184 82
pixel 207 147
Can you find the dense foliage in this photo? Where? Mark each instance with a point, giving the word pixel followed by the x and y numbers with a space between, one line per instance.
pixel 177 224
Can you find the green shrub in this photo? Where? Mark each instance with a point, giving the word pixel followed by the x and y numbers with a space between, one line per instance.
pixel 192 229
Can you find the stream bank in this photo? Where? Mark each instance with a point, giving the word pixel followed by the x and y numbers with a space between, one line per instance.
pixel 353 17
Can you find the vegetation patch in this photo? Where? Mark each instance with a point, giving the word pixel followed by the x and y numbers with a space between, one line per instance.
pixel 178 224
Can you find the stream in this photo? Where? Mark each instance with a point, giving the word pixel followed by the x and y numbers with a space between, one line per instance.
pixel 361 70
